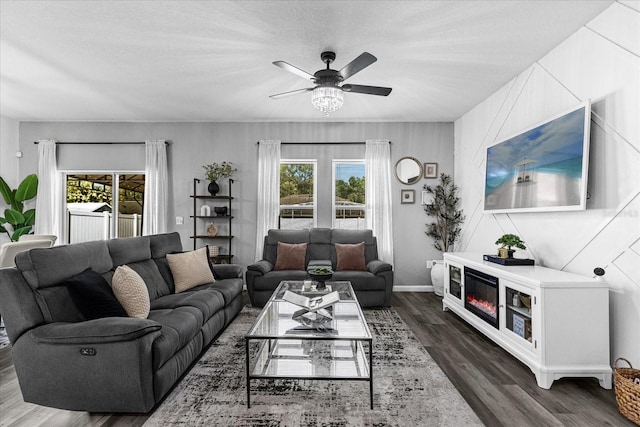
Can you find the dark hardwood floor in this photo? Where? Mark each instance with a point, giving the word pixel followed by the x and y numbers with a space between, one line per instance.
pixel 500 389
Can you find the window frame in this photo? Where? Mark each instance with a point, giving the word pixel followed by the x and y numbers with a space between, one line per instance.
pixel 314 163
pixel 115 190
pixel 334 163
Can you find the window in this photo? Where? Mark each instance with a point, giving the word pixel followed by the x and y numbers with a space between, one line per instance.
pixel 91 203
pixel 348 194
pixel 297 194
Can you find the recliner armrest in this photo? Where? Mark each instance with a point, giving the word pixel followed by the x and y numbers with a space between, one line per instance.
pixel 228 271
pixel 263 266
pixel 376 266
pixel 98 331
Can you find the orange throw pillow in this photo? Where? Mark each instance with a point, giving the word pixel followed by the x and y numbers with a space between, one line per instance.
pixel 290 256
pixel 350 257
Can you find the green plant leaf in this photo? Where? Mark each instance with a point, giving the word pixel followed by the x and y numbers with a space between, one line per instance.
pixel 28 188
pixel 30 217
pixel 6 192
pixel 2 229
pixel 19 232
pixel 13 217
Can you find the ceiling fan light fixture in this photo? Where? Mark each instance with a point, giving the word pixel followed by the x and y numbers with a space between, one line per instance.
pixel 327 98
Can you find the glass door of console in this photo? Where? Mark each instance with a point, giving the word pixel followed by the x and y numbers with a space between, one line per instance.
pixel 518 313
pixel 455 281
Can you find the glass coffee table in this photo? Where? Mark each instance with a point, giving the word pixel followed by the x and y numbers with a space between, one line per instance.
pixel 277 346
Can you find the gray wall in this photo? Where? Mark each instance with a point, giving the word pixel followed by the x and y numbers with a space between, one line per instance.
pixel 598 62
pixel 196 144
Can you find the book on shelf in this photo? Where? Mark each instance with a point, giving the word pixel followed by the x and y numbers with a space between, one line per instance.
pixel 312 304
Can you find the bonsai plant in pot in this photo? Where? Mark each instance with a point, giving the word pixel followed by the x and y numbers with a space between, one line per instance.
pixel 507 241
pixel 16 221
pixel 214 171
pixel 445 230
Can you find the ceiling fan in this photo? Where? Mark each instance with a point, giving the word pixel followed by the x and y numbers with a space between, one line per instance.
pixel 328 94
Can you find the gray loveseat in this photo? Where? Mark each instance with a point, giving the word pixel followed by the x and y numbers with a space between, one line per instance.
pixel 373 287
pixel 111 364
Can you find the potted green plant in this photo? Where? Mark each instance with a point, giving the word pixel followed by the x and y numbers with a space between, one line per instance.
pixel 214 171
pixel 445 230
pixel 507 241
pixel 16 220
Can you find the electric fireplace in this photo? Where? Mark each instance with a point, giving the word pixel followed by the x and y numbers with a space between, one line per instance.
pixel 481 295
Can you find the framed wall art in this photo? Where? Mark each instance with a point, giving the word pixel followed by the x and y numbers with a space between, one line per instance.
pixel 407 196
pixel 430 170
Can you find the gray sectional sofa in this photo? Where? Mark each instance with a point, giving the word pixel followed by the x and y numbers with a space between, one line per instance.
pixel 111 364
pixel 372 286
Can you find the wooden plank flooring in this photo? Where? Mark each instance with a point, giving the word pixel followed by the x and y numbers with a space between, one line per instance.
pixel 500 389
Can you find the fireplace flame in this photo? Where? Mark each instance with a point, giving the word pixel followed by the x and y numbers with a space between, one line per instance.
pixel 485 306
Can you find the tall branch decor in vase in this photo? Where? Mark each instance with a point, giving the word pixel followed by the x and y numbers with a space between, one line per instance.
pixel 445 229
pixel 214 171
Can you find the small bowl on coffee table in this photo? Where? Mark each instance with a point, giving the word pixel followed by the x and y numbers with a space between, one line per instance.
pixel 320 275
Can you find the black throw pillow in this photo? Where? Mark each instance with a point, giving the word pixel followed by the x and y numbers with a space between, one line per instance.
pixel 93 296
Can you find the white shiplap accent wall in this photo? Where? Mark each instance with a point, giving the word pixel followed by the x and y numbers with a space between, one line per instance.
pixel 601 62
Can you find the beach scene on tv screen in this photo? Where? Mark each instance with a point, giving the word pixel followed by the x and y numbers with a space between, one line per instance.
pixel 539 168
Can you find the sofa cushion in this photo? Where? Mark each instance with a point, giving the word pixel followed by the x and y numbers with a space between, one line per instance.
pixel 291 256
pixel 190 269
pixel 42 267
pixel 286 236
pixel 361 280
pixel 131 291
pixel 208 301
pixel 270 281
pixel 150 273
pixel 128 250
pixel 350 257
pixel 179 326
pixel 228 288
pixel 93 296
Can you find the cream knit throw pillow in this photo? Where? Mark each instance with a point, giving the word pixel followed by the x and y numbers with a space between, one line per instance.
pixel 131 292
pixel 190 269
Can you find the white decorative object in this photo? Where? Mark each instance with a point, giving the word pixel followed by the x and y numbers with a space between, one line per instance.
pixel 437 277
pixel 566 333
pixel 205 210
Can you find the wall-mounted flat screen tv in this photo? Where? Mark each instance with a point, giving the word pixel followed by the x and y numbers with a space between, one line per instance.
pixel 543 168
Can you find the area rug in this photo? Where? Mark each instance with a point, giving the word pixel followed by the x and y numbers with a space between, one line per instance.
pixel 409 388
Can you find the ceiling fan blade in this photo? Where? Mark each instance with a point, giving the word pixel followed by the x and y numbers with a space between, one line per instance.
pixel 293 92
pixel 358 64
pixel 295 70
pixel 369 90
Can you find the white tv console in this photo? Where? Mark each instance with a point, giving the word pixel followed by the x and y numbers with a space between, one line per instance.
pixel 563 333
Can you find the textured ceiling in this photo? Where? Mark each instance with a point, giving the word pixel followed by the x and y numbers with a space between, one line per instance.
pixel 211 60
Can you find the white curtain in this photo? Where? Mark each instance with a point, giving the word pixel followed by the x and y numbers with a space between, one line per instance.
pixel 156 185
pixel 50 199
pixel 268 191
pixel 378 196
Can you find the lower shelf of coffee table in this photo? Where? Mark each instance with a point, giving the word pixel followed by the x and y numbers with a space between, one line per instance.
pixel 320 359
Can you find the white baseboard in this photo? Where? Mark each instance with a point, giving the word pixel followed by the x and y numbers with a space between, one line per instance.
pixel 412 288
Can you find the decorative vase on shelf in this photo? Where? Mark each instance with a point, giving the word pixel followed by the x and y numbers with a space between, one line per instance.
pixel 220 210
pixel 437 277
pixel 213 188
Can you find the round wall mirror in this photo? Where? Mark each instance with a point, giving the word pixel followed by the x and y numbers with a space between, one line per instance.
pixel 408 170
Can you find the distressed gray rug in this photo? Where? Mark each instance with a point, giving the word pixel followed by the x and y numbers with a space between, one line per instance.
pixel 409 388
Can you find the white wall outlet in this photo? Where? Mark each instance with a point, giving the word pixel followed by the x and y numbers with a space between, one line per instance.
pixel 179 220
pixel 430 263
pixel 19 154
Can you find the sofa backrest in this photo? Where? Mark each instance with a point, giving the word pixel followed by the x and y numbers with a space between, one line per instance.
pixel 320 243
pixel 44 269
